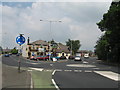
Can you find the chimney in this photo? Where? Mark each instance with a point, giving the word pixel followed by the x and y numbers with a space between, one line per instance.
pixel 28 41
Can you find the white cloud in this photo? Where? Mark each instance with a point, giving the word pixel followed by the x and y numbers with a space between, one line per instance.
pixel 78 22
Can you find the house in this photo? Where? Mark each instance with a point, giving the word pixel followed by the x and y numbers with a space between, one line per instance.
pixel 42 48
pixel 62 50
pixel 36 48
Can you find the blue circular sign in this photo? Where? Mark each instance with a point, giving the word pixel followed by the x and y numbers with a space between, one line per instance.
pixel 20 40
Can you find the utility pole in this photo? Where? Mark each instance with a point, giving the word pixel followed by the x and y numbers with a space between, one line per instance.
pixel 50 21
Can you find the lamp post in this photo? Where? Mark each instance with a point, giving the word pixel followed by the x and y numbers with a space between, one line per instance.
pixel 50 21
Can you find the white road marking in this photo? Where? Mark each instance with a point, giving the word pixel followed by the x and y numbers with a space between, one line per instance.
pixel 55 84
pixel 51 64
pixel 53 72
pixel 38 69
pixel 29 70
pixel 80 65
pixel 88 71
pixel 58 70
pixel 85 62
pixel 77 70
pixel 34 63
pixel 93 62
pixel 31 86
pixel 48 70
pixel 108 74
pixel 68 70
pixel 96 68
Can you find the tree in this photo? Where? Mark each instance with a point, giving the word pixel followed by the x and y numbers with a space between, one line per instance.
pixel 101 50
pixel 111 25
pixel 73 45
pixel 14 51
pixel 54 47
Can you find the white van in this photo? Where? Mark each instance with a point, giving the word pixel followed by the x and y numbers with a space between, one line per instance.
pixel 86 55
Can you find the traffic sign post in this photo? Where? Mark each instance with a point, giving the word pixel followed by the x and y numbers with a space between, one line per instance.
pixel 20 40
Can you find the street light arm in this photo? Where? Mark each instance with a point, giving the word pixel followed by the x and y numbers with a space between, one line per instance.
pixel 50 20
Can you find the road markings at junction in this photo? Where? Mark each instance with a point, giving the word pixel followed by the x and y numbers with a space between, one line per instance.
pixel 77 70
pixel 81 65
pixel 51 64
pixel 59 70
pixel 67 70
pixel 54 81
pixel 53 72
pixel 55 84
pixel 96 68
pixel 88 71
pixel 31 86
pixel 38 69
pixel 48 70
pixel 34 63
pixel 85 62
pixel 108 74
pixel 29 70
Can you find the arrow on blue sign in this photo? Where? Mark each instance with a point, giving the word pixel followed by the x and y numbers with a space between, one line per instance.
pixel 20 40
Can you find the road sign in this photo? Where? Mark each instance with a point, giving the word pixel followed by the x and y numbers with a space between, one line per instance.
pixel 20 40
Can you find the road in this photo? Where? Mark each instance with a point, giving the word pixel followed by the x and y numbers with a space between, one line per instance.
pixel 73 74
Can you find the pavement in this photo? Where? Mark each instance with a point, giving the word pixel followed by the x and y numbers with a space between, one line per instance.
pixel 11 78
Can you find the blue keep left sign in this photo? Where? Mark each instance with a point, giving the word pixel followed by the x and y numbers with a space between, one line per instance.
pixel 20 40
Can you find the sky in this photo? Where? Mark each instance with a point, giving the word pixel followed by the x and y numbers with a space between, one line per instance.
pixel 78 22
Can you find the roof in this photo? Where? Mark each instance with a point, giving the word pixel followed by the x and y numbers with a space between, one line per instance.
pixel 6 50
pixel 62 48
pixel 39 42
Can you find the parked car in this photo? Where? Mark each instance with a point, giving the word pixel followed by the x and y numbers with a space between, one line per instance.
pixel 55 57
pixel 71 57
pixel 86 56
pixel 33 58
pixel 78 58
pixel 17 54
pixel 6 55
pixel 62 57
pixel 42 57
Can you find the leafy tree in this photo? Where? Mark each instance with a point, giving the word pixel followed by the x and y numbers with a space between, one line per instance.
pixel 74 45
pixel 14 51
pixel 101 50
pixel 54 47
pixel 111 25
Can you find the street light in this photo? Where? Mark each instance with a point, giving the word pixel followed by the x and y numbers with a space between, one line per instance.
pixel 50 21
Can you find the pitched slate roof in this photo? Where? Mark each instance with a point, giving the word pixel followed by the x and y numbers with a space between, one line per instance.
pixel 39 42
pixel 62 48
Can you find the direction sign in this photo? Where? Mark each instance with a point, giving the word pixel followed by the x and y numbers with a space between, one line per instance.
pixel 20 40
